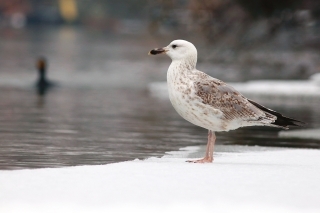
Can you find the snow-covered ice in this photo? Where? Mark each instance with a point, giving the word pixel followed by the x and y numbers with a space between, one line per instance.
pixel 281 91
pixel 302 92
pixel 301 133
pixel 315 78
pixel 241 179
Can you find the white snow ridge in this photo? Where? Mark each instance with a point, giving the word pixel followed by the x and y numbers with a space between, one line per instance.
pixel 258 180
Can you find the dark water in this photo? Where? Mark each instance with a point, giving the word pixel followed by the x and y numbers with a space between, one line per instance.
pixel 102 112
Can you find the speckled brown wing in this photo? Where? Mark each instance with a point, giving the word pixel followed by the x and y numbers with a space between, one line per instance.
pixel 233 104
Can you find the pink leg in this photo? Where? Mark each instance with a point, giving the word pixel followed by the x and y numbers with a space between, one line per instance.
pixel 208 158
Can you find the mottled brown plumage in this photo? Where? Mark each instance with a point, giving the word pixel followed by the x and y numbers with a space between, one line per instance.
pixel 208 102
pixel 230 102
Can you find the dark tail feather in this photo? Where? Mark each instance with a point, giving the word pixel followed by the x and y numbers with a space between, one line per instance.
pixel 281 121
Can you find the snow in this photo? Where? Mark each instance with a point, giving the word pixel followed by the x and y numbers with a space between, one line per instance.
pixel 281 91
pixel 241 179
pixel 315 78
pixel 302 133
pixel 293 88
pixel 302 92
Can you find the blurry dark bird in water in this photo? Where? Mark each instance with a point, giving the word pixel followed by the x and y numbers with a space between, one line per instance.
pixel 43 84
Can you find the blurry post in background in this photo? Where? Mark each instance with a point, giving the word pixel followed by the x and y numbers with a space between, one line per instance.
pixel 68 10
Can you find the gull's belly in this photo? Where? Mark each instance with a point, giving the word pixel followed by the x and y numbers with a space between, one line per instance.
pixel 190 106
pixel 193 110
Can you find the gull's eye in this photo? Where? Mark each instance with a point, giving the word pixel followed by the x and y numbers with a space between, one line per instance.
pixel 174 46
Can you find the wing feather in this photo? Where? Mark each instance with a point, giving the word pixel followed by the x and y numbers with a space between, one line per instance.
pixel 233 104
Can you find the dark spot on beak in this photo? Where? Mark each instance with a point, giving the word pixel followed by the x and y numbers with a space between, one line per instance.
pixel 157 51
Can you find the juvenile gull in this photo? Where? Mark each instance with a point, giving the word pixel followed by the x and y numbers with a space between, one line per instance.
pixel 209 102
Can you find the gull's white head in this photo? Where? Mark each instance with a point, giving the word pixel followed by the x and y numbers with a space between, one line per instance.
pixel 178 50
pixel 181 49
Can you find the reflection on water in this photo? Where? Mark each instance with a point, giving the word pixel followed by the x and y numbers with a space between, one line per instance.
pixel 86 126
pixel 97 126
pixel 102 112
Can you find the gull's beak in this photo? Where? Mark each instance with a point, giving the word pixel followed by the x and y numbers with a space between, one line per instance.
pixel 158 51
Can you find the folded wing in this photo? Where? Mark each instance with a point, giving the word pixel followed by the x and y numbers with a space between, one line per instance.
pixel 235 106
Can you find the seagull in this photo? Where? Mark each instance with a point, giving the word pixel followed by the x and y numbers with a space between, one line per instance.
pixel 209 102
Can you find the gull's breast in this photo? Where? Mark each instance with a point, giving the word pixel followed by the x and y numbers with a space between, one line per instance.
pixel 189 105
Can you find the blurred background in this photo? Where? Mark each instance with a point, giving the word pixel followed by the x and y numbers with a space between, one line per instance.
pixel 99 109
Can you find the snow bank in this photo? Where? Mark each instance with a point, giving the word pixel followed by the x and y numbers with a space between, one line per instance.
pixel 303 133
pixel 315 78
pixel 302 92
pixel 275 180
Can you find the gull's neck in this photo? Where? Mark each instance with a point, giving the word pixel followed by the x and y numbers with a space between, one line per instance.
pixel 185 65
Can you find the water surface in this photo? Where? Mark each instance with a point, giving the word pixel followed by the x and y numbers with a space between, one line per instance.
pixel 102 111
